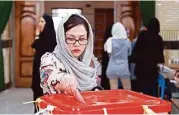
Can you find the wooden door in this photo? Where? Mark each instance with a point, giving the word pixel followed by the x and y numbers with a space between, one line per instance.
pixel 103 19
pixel 26 14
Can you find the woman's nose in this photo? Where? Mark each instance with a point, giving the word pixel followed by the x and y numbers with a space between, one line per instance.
pixel 76 43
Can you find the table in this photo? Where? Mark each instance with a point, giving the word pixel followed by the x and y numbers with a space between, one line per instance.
pixel 173 66
pixel 175 106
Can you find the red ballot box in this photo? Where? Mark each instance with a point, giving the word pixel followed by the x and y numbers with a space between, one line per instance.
pixel 104 102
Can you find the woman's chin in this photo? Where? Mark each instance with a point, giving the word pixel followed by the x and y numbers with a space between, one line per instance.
pixel 76 55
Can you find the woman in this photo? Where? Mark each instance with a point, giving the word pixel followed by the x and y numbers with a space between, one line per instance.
pixel 105 60
pixel 149 53
pixel 119 48
pixel 45 41
pixel 72 64
pixel 176 78
pixel 132 58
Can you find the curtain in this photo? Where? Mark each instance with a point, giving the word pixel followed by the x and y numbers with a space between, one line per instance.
pixel 147 9
pixel 5 10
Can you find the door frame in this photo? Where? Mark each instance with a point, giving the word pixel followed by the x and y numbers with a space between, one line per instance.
pixel 106 25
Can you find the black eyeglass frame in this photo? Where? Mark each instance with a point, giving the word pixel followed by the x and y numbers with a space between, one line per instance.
pixel 77 41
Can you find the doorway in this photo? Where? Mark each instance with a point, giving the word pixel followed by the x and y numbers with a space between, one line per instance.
pixel 103 19
pixel 26 14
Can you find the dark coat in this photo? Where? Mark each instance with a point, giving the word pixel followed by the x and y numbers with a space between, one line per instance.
pixel 148 53
pixel 105 59
pixel 45 43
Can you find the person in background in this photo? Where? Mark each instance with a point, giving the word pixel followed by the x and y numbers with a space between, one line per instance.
pixel 45 41
pixel 176 78
pixel 149 53
pixel 105 60
pixel 72 67
pixel 119 48
pixel 132 58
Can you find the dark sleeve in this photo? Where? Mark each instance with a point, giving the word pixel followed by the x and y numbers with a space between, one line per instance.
pixel 161 48
pixel 48 43
pixel 34 44
pixel 132 58
pixel 137 47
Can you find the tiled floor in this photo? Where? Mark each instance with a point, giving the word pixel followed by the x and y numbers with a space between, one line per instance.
pixel 11 101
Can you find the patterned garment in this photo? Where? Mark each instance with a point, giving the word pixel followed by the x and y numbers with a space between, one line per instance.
pixel 51 71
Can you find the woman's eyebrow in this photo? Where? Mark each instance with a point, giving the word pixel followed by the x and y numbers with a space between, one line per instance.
pixel 70 35
pixel 74 35
pixel 82 36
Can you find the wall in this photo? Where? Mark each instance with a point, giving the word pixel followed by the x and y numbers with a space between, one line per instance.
pixel 124 11
pixel 88 12
pixel 6 53
pixel 167 13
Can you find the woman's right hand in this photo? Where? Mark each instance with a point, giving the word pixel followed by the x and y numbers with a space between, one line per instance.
pixel 68 85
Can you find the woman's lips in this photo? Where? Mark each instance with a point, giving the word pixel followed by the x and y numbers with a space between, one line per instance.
pixel 76 50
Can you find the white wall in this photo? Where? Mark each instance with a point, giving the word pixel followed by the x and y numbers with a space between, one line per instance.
pixel 88 12
pixel 6 55
pixel 168 14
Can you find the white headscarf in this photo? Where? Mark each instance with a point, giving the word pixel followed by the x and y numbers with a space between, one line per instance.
pixel 85 75
pixel 118 31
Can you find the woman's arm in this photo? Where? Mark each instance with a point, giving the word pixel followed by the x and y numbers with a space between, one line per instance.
pixel 49 73
pixel 55 79
pixel 108 46
pixel 160 44
pixel 33 45
pixel 52 73
pixel 37 33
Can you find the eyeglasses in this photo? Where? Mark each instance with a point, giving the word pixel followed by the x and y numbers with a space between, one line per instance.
pixel 81 41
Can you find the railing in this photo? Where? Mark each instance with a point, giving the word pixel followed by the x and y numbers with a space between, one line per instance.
pixel 170 38
pixel 170 35
pixel 171 45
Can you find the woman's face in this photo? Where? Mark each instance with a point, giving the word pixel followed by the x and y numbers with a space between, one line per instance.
pixel 42 24
pixel 76 39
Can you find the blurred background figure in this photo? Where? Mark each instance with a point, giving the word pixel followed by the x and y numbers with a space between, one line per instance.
pixel 176 78
pixel 45 41
pixel 105 60
pixel 132 59
pixel 119 48
pixel 148 53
